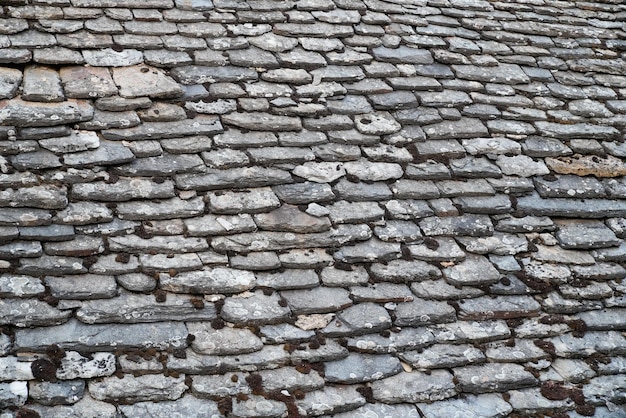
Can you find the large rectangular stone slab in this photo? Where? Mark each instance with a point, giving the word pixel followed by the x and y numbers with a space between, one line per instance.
pixel 200 125
pixel 74 335
pixel 571 208
pixel 21 113
pixel 274 241
pixel 503 73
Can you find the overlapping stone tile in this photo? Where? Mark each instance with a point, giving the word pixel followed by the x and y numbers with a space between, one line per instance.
pixel 396 182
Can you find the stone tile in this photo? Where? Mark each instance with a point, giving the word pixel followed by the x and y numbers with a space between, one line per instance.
pixel 487 405
pixel 134 308
pixel 396 341
pixel 443 356
pixel 30 313
pixel 493 377
pixel 362 318
pixel 254 308
pixel 139 81
pixel 331 400
pixel 464 225
pixel 414 387
pixel 361 368
pixel 82 287
pixel 423 312
pixel 503 307
pixel 141 388
pixel 225 341
pixel 187 405
pixel 585 235
pixel 21 113
pixel 288 279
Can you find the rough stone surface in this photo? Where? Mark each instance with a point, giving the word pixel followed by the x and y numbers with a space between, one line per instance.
pixel 312 208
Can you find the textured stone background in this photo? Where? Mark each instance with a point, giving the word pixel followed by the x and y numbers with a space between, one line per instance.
pixel 347 208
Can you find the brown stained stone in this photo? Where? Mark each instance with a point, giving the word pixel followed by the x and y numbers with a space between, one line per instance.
pixel 142 80
pixel 588 165
pixel 290 219
pixel 87 82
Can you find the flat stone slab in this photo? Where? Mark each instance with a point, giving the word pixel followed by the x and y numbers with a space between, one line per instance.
pixel 209 280
pixel 471 406
pixel 142 80
pixel 140 388
pixel 10 80
pixel 262 121
pixel 133 308
pixel 255 308
pixel 361 368
pixel 188 405
pixel 502 73
pixel 474 270
pixel 42 84
pixel 225 341
pixel 414 387
pixel 80 82
pixel 317 300
pixel 26 114
pixel 74 335
pixel 201 125
pixel 493 377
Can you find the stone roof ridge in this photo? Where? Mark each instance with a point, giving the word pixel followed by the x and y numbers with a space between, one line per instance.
pixel 312 208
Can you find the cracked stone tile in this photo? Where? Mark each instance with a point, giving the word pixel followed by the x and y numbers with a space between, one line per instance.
pixel 362 318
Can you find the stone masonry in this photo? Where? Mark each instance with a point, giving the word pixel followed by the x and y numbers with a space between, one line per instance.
pixel 312 208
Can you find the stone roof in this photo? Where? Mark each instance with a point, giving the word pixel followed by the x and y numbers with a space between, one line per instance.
pixel 338 208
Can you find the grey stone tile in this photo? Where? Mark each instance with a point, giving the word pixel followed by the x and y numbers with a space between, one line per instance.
pixel 86 286
pixel 332 400
pixel 361 368
pixel 255 308
pixel 209 280
pixel 134 308
pixel 443 356
pixel 414 387
pixel 586 235
pixel 493 377
pixel 362 318
pixel 421 312
pixel 289 279
pixel 317 300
